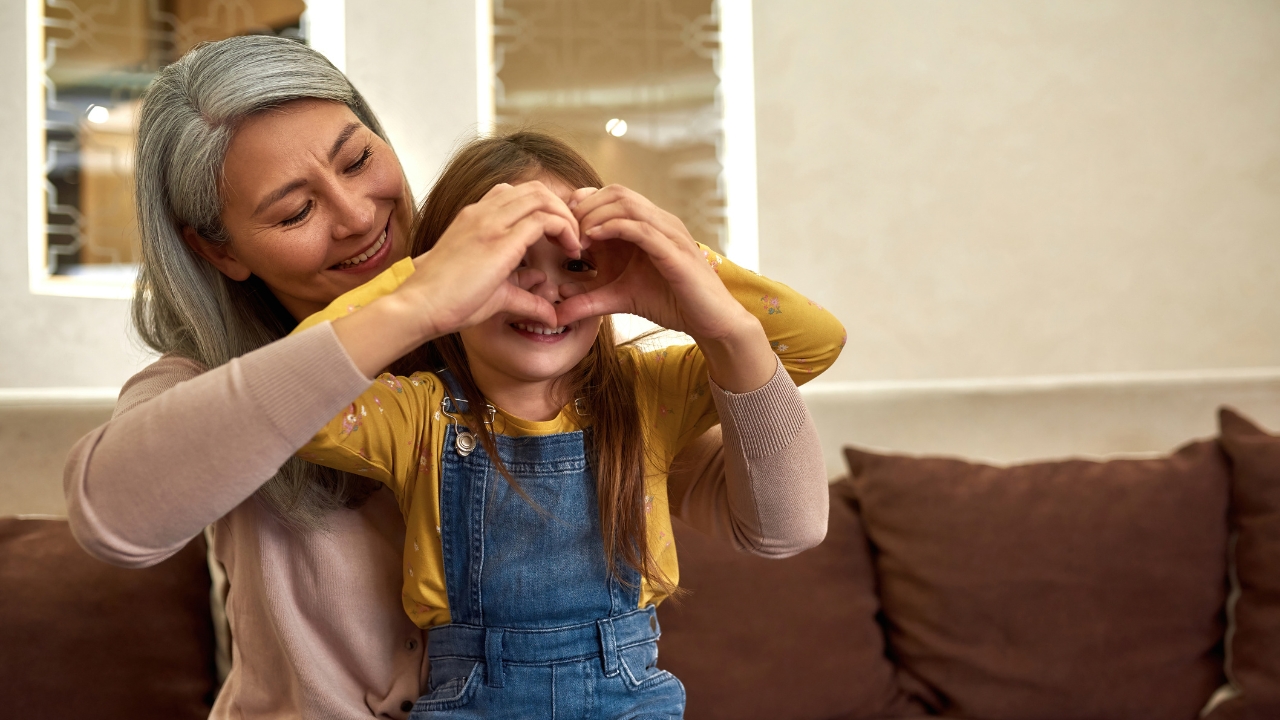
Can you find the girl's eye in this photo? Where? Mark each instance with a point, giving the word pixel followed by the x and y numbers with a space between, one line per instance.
pixel 302 215
pixel 364 159
pixel 578 266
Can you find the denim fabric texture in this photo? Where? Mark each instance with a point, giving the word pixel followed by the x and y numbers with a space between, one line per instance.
pixel 539 629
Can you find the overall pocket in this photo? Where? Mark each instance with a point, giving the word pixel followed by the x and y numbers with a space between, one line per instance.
pixel 451 685
pixel 640 665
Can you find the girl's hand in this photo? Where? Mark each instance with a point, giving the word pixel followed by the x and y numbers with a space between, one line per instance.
pixel 648 264
pixel 470 275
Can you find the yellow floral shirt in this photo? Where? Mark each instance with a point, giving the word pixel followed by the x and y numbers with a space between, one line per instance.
pixel 395 431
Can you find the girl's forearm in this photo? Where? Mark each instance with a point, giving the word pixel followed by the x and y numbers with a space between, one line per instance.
pixel 806 337
pixel 742 360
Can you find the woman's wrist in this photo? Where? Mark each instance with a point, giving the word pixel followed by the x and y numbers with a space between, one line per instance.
pixel 383 332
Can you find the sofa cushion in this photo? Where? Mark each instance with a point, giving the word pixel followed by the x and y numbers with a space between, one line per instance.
pixel 768 639
pixel 1254 643
pixel 83 639
pixel 1061 590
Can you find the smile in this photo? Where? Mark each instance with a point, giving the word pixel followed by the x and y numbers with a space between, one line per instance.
pixel 538 329
pixel 358 259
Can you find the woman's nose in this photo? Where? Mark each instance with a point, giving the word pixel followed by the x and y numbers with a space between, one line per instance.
pixel 353 213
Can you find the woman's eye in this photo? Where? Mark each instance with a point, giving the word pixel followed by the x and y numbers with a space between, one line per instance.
pixel 578 266
pixel 364 158
pixel 302 215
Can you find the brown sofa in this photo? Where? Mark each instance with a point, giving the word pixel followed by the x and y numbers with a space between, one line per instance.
pixel 1052 590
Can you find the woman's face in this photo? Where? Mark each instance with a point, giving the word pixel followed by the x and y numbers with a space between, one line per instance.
pixel 314 202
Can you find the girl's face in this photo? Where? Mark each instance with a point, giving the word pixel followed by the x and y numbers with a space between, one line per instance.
pixel 315 204
pixel 506 351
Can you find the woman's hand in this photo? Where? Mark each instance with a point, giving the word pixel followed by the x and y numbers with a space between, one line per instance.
pixel 470 275
pixel 648 264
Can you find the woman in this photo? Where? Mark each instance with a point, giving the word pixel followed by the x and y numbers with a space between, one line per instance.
pixel 265 190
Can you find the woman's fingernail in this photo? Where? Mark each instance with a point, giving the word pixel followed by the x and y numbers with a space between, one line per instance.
pixel 593 231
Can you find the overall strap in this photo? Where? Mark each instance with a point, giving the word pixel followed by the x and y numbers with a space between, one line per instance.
pixel 455 401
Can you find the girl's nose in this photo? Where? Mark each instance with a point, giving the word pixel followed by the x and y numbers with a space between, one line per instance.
pixel 548 289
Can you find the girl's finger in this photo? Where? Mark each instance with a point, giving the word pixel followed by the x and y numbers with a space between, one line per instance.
pixel 573 289
pixel 581 194
pixel 601 301
pixel 592 201
pixel 528 198
pixel 524 304
pixel 538 225
pixel 657 246
pixel 618 201
pixel 526 278
pixel 495 191
pixel 562 227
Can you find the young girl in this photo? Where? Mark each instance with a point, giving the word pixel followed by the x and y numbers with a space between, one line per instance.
pixel 531 468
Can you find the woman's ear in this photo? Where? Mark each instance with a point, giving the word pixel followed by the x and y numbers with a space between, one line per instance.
pixel 218 255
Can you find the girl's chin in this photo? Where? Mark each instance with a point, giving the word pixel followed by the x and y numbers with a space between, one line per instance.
pixel 537 372
pixel 534 366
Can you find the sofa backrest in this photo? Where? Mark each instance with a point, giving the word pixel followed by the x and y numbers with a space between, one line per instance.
pixel 1008 420
pixel 1000 420
pixel 82 638
pixel 37 430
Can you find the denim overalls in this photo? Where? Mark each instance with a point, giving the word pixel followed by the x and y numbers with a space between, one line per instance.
pixel 539 629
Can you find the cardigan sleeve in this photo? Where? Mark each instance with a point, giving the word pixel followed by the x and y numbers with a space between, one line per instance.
pixel 757 481
pixel 185 446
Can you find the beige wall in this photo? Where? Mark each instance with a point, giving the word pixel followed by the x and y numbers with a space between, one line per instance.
pixel 415 62
pixel 1003 188
pixel 978 189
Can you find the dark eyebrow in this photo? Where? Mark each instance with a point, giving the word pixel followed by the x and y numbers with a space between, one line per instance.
pixel 343 137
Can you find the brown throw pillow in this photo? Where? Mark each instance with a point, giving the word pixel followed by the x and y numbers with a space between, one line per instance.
pixel 82 639
pixel 1254 644
pixel 1054 590
pixel 769 639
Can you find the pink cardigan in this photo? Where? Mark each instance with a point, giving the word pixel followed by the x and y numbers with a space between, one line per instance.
pixel 315 617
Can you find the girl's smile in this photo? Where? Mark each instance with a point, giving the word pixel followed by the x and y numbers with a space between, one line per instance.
pixel 537 332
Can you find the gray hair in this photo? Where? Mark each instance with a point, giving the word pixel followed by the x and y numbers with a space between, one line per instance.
pixel 183 305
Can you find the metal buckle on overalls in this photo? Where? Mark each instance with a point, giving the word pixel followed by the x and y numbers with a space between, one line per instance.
pixel 465 443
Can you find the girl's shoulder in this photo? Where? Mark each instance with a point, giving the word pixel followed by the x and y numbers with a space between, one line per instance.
pixel 419 383
pixel 658 357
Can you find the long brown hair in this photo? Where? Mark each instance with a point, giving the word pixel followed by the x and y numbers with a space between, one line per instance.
pixel 617 448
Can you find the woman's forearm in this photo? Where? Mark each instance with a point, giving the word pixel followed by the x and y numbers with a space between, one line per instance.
pixel 759 481
pixel 184 446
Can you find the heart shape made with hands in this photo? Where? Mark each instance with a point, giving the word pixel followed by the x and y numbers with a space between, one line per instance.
pixel 646 264
pixel 619 284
